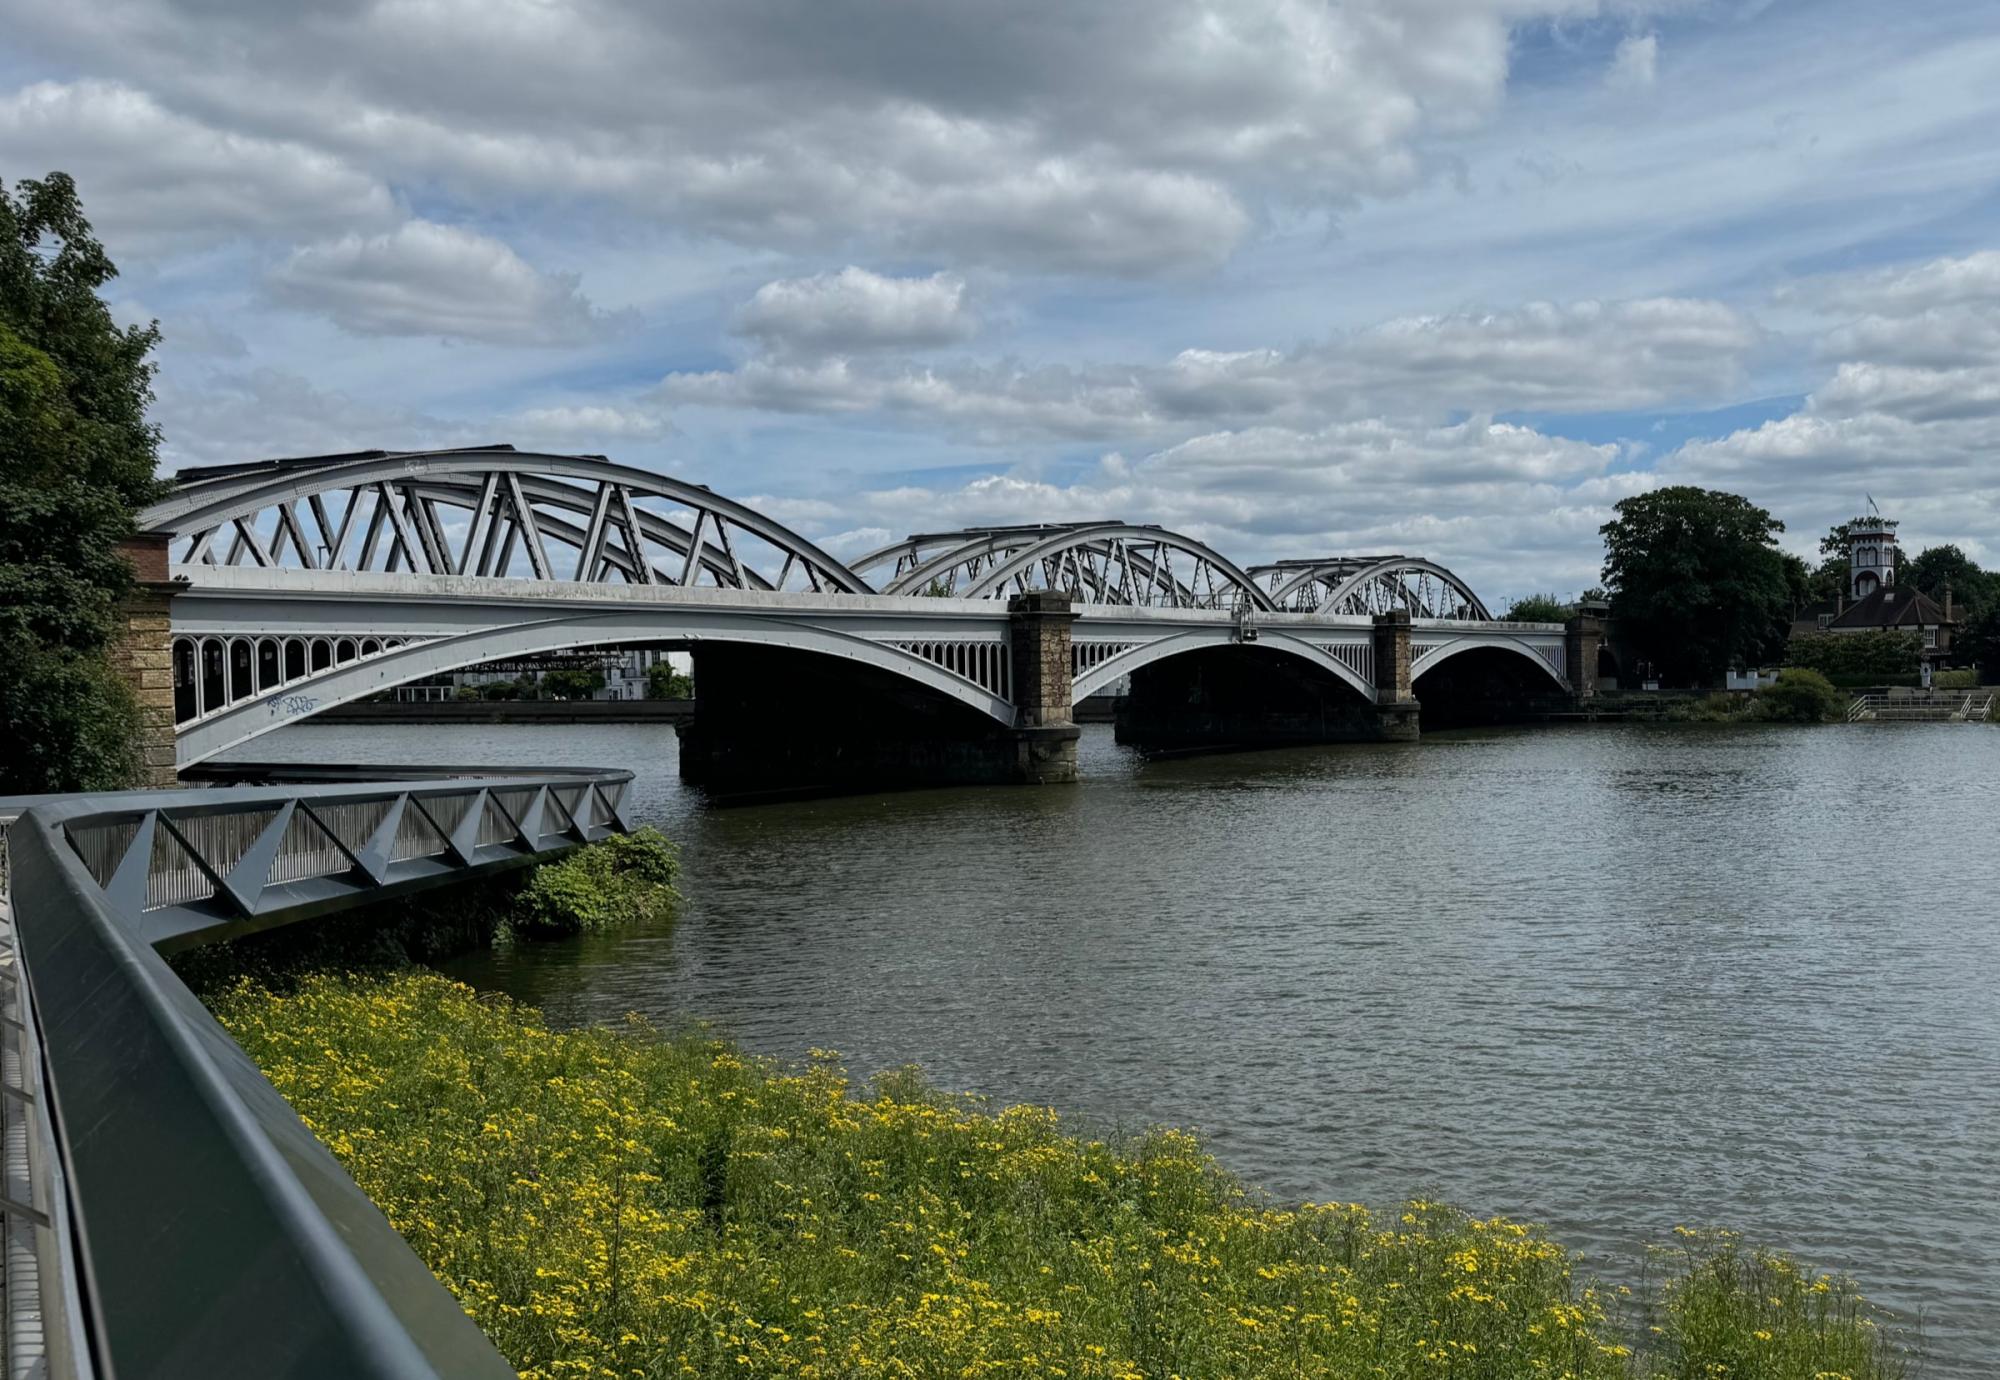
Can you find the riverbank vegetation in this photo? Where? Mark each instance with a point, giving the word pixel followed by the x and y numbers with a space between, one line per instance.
pixel 1797 697
pixel 628 1203
pixel 76 462
pixel 621 879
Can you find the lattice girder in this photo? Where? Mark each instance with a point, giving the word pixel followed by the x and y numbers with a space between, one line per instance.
pixel 1104 563
pixel 1369 585
pixel 483 512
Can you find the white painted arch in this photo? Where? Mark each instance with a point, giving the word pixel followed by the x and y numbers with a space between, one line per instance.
pixel 204 738
pixel 1439 653
pixel 1224 635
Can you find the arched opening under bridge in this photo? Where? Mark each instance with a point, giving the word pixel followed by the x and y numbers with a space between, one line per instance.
pixel 777 720
pixel 1468 686
pixel 1242 695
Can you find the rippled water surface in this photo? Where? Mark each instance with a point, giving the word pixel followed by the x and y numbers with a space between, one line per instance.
pixel 1609 979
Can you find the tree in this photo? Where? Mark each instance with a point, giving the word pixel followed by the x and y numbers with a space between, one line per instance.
pixel 663 682
pixel 1540 608
pixel 76 462
pixel 1939 566
pixel 1697 581
pixel 1828 580
pixel 572 682
pixel 1980 643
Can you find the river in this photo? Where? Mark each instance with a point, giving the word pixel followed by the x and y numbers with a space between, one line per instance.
pixel 1610 979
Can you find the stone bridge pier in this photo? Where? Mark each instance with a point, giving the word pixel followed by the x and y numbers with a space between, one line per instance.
pixel 769 721
pixel 142 655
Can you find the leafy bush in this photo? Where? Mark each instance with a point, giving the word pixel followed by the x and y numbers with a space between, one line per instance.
pixel 68 721
pixel 1862 654
pixel 1726 1310
pixel 619 880
pixel 618 1203
pixel 1800 697
pixel 663 682
pixel 1539 608
pixel 1721 707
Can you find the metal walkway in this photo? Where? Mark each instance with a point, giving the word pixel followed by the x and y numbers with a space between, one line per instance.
pixel 1931 706
pixel 163 1211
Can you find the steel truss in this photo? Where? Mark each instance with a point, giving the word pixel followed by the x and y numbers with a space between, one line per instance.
pixel 491 512
pixel 1370 585
pixel 1109 563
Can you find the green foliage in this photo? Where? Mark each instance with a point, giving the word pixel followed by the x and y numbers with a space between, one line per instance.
pixel 67 722
pixel 467 692
pixel 1979 641
pixel 1697 581
pixel 1800 697
pixel 619 880
pixel 1855 656
pixel 1828 580
pixel 502 690
pixel 1728 1311
pixel 607 1202
pixel 76 460
pixel 1939 567
pixel 1540 608
pixel 572 682
pixel 1722 707
pixel 663 682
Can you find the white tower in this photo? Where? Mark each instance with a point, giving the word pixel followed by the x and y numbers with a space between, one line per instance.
pixel 1871 555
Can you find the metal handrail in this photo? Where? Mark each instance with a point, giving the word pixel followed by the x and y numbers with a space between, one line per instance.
pixel 191 1223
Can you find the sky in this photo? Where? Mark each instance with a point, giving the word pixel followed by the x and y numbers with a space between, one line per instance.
pixel 1441 277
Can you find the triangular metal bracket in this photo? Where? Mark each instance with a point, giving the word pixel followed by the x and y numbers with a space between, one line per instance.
pixel 245 883
pixel 570 825
pixel 129 885
pixel 464 840
pixel 353 858
pixel 529 828
pixel 376 854
pixel 202 865
pixel 611 811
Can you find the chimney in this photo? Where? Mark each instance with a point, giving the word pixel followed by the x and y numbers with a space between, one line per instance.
pixel 1947 601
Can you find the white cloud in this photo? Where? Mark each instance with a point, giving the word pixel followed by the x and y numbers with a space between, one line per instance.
pixel 857 310
pixel 1583 356
pixel 1137 137
pixel 1910 414
pixel 153 179
pixel 1636 62
pixel 1270 492
pixel 424 279
pixel 571 425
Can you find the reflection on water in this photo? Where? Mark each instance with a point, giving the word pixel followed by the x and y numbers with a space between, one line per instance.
pixel 1611 979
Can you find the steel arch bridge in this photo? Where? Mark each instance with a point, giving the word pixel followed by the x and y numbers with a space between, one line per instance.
pixel 315 581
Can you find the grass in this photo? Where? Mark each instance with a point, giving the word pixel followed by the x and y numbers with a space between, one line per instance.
pixel 624 1203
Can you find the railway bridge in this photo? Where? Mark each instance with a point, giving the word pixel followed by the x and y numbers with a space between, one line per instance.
pixel 273 590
